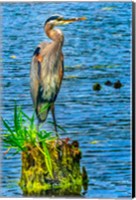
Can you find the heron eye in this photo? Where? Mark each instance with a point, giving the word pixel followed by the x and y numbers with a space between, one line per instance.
pixel 59 19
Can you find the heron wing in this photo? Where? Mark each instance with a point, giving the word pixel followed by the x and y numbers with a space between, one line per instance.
pixel 34 79
pixel 35 72
pixel 61 69
pixel 45 78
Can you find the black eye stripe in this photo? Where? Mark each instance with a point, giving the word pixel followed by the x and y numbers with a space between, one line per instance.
pixel 53 18
pixel 59 19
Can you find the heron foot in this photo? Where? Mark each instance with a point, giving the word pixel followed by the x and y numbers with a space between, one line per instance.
pixel 57 135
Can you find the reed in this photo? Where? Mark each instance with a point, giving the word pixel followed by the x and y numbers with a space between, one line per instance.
pixel 24 132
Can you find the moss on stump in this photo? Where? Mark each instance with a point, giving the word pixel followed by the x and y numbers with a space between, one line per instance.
pixel 64 177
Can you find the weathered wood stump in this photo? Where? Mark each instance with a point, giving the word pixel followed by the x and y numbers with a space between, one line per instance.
pixel 64 177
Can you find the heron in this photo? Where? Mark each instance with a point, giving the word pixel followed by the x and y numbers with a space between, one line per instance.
pixel 47 69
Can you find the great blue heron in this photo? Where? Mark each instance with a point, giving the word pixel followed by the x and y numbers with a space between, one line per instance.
pixel 47 69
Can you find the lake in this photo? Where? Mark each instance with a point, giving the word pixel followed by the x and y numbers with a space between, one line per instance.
pixel 95 51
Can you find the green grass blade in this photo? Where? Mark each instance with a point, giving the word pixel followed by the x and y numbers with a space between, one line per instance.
pixel 32 125
pixel 44 107
pixel 16 152
pixel 59 127
pixel 20 119
pixel 7 126
pixel 15 118
pixel 47 159
pixel 13 142
pixel 44 135
pixel 26 116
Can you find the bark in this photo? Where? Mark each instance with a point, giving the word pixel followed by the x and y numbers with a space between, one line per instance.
pixel 59 176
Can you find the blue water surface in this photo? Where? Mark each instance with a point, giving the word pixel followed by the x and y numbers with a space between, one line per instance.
pixel 95 50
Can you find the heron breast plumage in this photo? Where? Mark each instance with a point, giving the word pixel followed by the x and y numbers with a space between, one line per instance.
pixel 50 88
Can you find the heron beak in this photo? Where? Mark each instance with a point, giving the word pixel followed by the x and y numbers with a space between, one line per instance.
pixel 68 21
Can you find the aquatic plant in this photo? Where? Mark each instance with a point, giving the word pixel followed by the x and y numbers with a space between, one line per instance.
pixel 49 164
pixel 24 132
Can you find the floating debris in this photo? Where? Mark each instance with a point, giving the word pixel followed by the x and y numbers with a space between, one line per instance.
pixel 13 56
pixel 117 85
pixel 71 77
pixel 78 66
pixel 108 83
pixel 103 66
pixel 7 84
pixel 97 87
pixel 107 8
pixel 98 66
pixel 94 142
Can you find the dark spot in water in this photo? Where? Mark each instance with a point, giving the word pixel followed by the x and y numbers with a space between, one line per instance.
pixel 8 84
pixel 108 83
pixel 97 87
pixel 117 85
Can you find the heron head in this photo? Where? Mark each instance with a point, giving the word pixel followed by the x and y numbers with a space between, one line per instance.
pixel 57 20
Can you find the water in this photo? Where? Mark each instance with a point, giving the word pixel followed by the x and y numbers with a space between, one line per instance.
pixel 95 50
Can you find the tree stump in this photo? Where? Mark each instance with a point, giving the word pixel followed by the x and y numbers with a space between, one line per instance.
pixel 63 178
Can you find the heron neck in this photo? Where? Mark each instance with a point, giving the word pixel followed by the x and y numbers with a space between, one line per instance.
pixel 55 35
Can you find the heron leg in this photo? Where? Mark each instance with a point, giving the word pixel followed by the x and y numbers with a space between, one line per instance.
pixel 37 126
pixel 54 118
